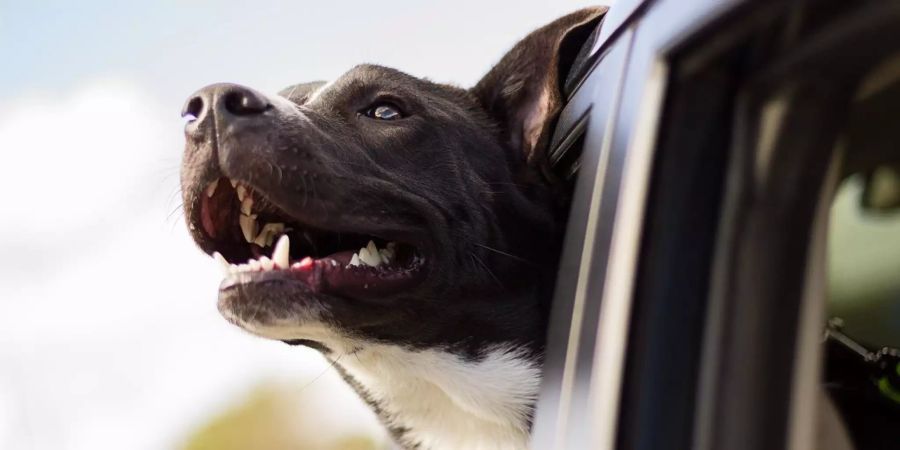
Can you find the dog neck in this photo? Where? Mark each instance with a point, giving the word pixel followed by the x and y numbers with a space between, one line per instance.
pixel 434 399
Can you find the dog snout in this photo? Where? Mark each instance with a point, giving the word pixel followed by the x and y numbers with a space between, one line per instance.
pixel 223 103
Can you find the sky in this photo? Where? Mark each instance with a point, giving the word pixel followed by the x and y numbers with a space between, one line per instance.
pixel 109 335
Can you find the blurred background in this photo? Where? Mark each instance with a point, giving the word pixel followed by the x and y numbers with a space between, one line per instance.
pixel 109 334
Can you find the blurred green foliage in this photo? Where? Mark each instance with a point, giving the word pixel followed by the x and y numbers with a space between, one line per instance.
pixel 864 267
pixel 275 417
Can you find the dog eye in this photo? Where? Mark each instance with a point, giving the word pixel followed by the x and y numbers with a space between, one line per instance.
pixel 384 111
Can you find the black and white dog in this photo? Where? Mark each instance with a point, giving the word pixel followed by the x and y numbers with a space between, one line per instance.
pixel 408 230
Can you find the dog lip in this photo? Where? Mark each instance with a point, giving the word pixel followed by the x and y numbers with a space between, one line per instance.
pixel 333 275
pixel 210 240
pixel 324 277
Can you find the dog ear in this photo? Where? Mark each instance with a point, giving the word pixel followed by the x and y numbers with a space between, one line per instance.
pixel 523 92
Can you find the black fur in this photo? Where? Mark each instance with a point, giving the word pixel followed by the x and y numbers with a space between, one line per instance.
pixel 462 176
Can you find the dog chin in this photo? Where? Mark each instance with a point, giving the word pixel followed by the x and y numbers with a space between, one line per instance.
pixel 264 314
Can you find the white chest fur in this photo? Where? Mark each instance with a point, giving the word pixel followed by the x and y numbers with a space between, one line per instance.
pixel 444 401
pixel 447 402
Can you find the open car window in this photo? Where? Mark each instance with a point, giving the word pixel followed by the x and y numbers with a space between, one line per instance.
pixel 737 187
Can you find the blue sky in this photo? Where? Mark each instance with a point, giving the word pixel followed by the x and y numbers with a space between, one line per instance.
pixel 109 336
pixel 172 47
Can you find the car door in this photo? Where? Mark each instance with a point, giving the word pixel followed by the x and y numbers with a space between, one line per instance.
pixel 694 285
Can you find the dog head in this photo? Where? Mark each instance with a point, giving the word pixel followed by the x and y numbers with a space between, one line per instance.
pixel 383 207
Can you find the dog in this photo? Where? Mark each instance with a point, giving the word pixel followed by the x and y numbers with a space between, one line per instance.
pixel 408 230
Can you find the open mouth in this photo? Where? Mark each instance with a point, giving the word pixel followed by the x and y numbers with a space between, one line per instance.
pixel 254 240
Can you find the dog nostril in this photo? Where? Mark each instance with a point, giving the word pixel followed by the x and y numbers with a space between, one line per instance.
pixel 245 103
pixel 192 109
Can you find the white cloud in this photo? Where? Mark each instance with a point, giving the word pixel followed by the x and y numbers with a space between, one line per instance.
pixel 67 160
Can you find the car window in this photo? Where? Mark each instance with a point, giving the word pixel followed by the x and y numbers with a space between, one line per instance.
pixel 773 198
pixel 864 225
pixel 864 256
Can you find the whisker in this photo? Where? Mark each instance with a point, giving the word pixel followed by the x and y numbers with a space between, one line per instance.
pixel 178 208
pixel 500 252
pixel 505 183
pixel 480 262
pixel 291 93
pixel 330 366
pixel 174 193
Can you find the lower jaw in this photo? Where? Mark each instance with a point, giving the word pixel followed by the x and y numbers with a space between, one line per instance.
pixel 332 277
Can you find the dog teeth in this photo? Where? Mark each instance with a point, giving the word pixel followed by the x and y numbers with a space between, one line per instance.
pixel 364 256
pixel 386 255
pixel 223 262
pixel 260 240
pixel 267 235
pixel 280 260
pixel 249 227
pixel 369 255
pixel 247 206
pixel 282 252
pixel 266 263
pixel 211 188
pixel 372 256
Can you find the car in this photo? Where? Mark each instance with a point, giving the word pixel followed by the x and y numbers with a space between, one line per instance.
pixel 735 176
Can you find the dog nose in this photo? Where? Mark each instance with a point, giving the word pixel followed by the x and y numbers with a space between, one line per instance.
pixel 221 102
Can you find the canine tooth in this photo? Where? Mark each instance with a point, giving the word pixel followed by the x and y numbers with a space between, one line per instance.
pixel 241 193
pixel 221 259
pixel 211 188
pixel 354 261
pixel 249 227
pixel 266 263
pixel 368 258
pixel 233 182
pixel 282 252
pixel 247 206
